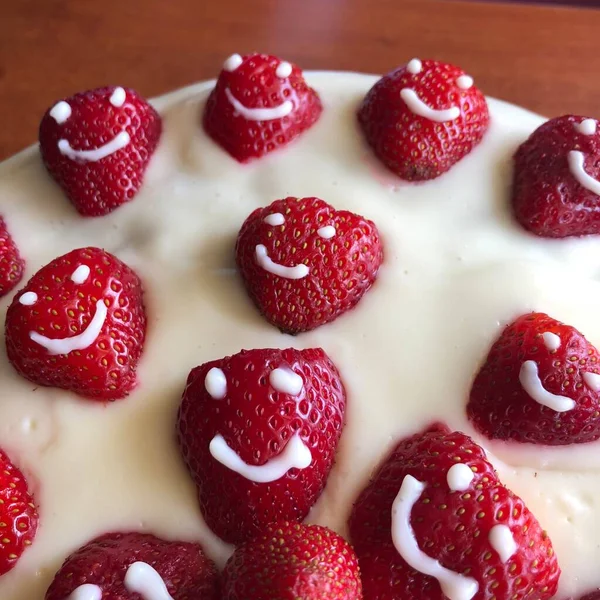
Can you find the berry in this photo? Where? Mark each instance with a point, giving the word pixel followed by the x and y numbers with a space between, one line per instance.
pixel 11 263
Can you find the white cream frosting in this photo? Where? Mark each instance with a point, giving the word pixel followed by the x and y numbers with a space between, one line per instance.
pixel 457 269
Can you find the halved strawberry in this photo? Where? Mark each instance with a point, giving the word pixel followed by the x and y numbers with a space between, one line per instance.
pixel 79 324
pixel 305 263
pixel 435 523
pixel 97 145
pixel 260 103
pixel 11 263
pixel 422 118
pixel 540 383
pixel 258 432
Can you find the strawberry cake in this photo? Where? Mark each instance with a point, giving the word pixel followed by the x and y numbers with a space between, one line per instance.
pixel 291 335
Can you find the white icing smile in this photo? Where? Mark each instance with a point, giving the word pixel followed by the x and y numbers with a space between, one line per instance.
pixel 454 585
pixel 577 168
pixel 144 580
pixel 530 380
pixel 78 342
pixel 422 109
pixel 296 455
pixel 87 591
pixel 117 143
pixel 263 260
pixel 259 114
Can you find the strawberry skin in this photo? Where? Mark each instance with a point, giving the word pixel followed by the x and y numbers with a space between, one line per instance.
pixel 11 263
pixel 18 515
pixel 500 407
pixel 257 421
pixel 290 561
pixel 415 147
pixel 98 187
pixel 341 268
pixel 185 570
pixel 55 306
pixel 451 527
pixel 547 199
pixel 259 83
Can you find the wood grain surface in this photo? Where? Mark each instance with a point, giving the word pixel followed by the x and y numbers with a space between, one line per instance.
pixel 546 58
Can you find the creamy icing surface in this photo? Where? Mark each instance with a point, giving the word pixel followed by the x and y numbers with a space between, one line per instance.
pixel 457 269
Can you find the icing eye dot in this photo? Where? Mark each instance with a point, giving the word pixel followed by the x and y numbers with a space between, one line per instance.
pixel 118 97
pixel 326 232
pixel 60 112
pixel 459 477
pixel 274 219
pixel 233 62
pixel 284 380
pixel 284 69
pixel 464 82
pixel 551 340
pixel 414 66
pixel 215 383
pixel 28 299
pixel 80 274
pixel 586 127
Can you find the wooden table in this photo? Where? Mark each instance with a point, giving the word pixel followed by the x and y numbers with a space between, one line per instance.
pixel 546 58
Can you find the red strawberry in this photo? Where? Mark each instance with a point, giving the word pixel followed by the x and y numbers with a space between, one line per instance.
pixel 18 515
pixel 592 596
pixel 422 118
pixel 540 383
pixel 11 263
pixel 79 324
pixel 260 103
pixel 106 563
pixel 290 561
pixel 556 188
pixel 437 502
pixel 97 145
pixel 325 261
pixel 258 432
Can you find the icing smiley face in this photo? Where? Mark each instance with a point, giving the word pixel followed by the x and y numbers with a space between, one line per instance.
pixel 305 263
pixel 262 425
pixel 97 145
pixel 540 383
pixel 259 104
pixel 79 324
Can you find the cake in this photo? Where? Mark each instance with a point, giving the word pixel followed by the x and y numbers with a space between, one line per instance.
pixel 452 257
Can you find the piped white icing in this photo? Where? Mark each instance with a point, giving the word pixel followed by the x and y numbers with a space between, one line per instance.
pixel 143 579
pixel 414 66
pixel 530 380
pixel 422 109
pixel 28 298
pixel 118 97
pixel 586 127
pixel 263 260
pixel 295 455
pixel 78 342
pixel 117 143
pixel 592 380
pixel 454 585
pixel 284 69
pixel 326 232
pixel 260 114
pixel 284 380
pixel 274 219
pixel 464 82
pixel 215 383
pixel 502 541
pixel 60 112
pixel 551 340
pixel 87 591
pixel 233 62
pixel 80 274
pixel 459 477
pixel 576 160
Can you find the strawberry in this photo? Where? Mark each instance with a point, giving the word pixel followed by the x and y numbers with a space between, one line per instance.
pixel 592 596
pixel 79 324
pixel 259 104
pixel 305 263
pixel 97 145
pixel 540 383
pixel 289 561
pixel 18 515
pixel 11 263
pixel 258 432
pixel 436 505
pixel 422 118
pixel 104 565
pixel 556 186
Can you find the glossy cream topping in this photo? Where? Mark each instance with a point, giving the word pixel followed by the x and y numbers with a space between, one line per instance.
pixel 457 269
